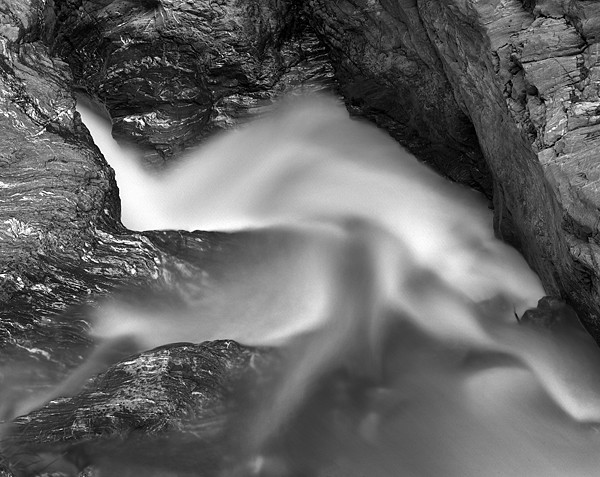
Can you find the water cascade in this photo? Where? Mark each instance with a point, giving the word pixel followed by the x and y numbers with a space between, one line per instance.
pixel 391 274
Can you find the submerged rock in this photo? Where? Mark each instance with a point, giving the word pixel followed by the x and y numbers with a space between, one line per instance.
pixel 551 313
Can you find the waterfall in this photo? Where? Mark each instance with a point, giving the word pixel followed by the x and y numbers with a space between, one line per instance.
pixel 388 273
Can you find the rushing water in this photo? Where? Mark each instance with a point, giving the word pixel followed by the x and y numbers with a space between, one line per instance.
pixel 396 277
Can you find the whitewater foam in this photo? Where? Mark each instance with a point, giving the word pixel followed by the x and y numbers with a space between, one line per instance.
pixel 379 240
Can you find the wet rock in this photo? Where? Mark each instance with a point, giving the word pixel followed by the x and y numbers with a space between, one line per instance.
pixel 390 71
pixel 522 75
pixel 221 63
pixel 58 207
pixel 170 72
pixel 526 74
pixel 522 72
pixel 62 246
pixel 551 313
pixel 179 408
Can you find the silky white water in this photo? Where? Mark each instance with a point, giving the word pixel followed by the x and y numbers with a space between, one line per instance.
pixel 393 274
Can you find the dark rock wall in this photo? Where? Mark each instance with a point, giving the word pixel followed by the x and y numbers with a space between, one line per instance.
pixel 503 95
pixel 61 242
pixel 494 90
pixel 390 72
pixel 527 74
pixel 170 72
pixel 524 76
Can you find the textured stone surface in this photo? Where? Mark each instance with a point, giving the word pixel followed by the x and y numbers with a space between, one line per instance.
pixel 57 199
pixel 170 72
pixel 551 313
pixel 61 244
pixel 389 71
pixel 527 74
pixel 178 408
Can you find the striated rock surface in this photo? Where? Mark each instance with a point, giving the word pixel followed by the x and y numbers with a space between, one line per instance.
pixel 62 246
pixel 527 74
pixel 58 204
pixel 179 408
pixel 170 72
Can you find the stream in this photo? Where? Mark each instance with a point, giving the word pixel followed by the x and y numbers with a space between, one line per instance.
pixel 393 278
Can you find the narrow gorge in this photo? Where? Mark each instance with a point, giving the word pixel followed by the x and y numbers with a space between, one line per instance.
pixel 502 97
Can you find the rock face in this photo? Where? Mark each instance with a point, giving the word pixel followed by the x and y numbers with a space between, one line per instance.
pixel 525 74
pixel 58 202
pixel 389 71
pixel 61 242
pixel 170 72
pixel 62 246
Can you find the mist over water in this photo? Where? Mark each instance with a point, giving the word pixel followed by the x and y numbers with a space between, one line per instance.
pixel 390 275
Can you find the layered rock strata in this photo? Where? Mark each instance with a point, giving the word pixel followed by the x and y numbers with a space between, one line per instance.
pixel 527 75
pixel 390 72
